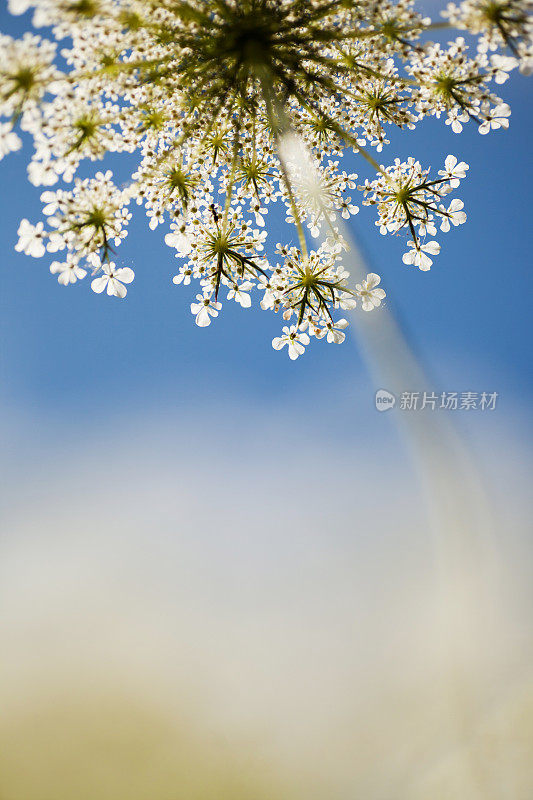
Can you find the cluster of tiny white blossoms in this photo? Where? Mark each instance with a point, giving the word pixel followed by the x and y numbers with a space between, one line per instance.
pixel 406 197
pixel 205 93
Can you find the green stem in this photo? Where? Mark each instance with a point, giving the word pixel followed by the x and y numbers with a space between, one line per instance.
pixel 233 169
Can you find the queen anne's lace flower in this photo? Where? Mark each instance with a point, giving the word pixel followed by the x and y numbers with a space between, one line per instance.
pixel 216 100
pixel 295 340
pixel 9 141
pixel 371 296
pixel 500 23
pixel 30 239
pixel 453 171
pixel 204 309
pixel 67 272
pixel 407 198
pixel 418 254
pixel 113 280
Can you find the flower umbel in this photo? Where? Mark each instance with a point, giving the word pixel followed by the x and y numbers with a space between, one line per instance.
pixel 205 94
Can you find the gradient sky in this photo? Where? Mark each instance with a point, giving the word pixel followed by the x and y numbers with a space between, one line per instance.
pixel 188 509
pixel 72 356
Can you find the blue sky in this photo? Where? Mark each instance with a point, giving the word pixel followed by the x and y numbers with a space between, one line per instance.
pixel 68 352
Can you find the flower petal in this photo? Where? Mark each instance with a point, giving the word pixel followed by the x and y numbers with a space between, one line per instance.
pixel 98 284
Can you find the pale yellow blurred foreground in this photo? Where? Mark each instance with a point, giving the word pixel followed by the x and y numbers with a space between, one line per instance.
pixel 179 624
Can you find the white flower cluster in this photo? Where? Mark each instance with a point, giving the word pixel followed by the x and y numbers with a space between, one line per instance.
pixel 407 198
pixel 456 86
pixel 87 222
pixel 205 93
pixel 499 24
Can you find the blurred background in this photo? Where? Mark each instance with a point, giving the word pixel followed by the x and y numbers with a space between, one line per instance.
pixel 221 574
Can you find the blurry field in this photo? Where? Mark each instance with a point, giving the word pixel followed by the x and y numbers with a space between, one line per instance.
pixel 199 620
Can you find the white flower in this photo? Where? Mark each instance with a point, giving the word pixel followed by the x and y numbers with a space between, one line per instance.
pixel 9 141
pixel 455 215
pixel 456 117
pixel 427 227
pixel 454 170
pixel 55 242
pixel 370 296
pixel 156 217
pixel 41 173
pixel 496 119
pixel 335 330
pixel 417 254
pixel 30 239
pixel 113 280
pixel 526 65
pixel 19 6
pixel 204 309
pixel 296 341
pixel 347 208
pixel 179 240
pixel 51 203
pixel 239 293
pixel 503 65
pixel 347 302
pixel 183 276
pixel 257 211
pixel 68 272
pixel 269 298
